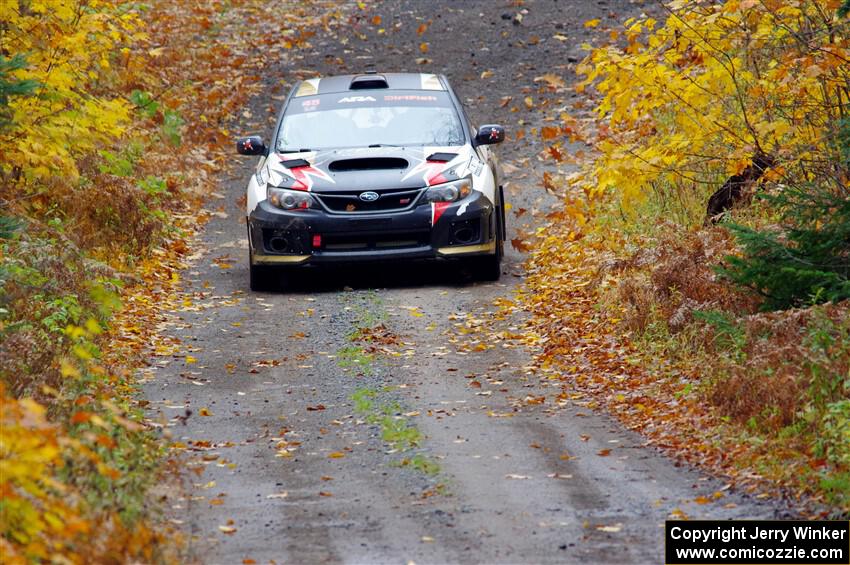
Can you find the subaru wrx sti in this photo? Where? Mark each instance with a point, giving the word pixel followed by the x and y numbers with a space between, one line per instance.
pixel 374 167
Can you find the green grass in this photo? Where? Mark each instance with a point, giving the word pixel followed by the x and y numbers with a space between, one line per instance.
pixel 352 357
pixel 397 431
pixel 422 464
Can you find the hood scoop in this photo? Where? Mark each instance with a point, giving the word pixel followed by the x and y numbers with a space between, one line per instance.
pixel 368 164
pixel 440 157
pixel 295 163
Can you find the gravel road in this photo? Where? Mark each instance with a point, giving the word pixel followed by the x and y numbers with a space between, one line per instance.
pixel 307 445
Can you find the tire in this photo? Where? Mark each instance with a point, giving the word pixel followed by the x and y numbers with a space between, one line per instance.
pixel 489 268
pixel 262 278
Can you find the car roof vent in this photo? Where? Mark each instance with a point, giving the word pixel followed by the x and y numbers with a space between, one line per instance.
pixel 368 81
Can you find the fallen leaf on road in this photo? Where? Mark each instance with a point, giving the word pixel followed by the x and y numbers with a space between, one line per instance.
pixel 603 452
pixel 414 311
pixel 552 80
pixel 205 412
pixel 612 529
pixel 323 493
pixel 548 133
pixel 278 495
pixel 520 245
pixel 518 477
pixel 227 529
pixel 336 455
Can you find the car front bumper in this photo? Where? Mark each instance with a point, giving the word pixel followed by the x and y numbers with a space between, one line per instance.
pixel 279 237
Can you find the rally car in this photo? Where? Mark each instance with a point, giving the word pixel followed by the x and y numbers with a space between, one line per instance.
pixel 374 167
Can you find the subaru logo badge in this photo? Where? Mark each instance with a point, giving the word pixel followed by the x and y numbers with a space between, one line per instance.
pixel 369 196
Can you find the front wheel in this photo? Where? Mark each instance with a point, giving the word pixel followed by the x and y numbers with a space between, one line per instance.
pixel 489 268
pixel 263 278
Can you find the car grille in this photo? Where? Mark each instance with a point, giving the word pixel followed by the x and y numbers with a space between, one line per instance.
pixel 363 242
pixel 349 202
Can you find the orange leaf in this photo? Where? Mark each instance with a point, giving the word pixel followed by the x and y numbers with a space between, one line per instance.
pixel 81 417
pixel 520 245
pixel 549 132
pixel 556 153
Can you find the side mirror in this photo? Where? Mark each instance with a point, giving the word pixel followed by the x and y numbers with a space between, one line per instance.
pixel 489 134
pixel 252 145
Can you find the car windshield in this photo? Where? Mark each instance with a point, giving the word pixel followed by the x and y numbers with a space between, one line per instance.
pixel 342 120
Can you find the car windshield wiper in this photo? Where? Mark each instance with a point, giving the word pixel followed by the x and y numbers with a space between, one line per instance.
pixel 385 145
pixel 288 150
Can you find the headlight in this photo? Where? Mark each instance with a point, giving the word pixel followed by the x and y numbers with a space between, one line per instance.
pixel 450 191
pixel 290 199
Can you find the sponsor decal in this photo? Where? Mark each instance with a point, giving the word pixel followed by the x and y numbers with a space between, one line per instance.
pixel 263 176
pixel 409 97
pixel 349 99
pixel 311 104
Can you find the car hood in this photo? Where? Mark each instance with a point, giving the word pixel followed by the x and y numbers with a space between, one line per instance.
pixel 374 168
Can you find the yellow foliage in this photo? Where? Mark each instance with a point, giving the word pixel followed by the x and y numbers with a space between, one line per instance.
pixel 38 516
pixel 70 48
pixel 716 85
